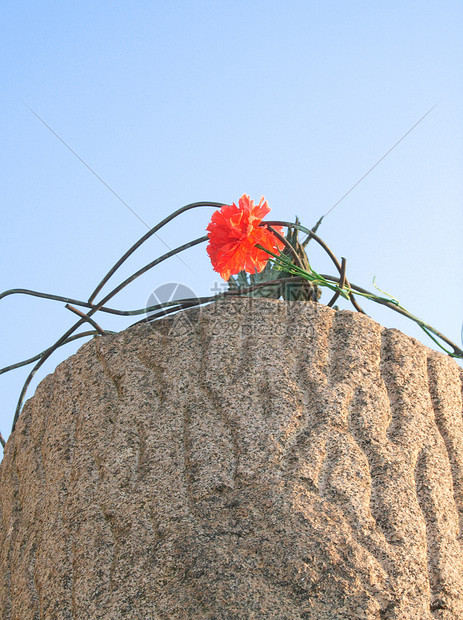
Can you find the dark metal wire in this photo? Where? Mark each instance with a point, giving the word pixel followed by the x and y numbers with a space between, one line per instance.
pixel 288 246
pixel 316 238
pixel 77 302
pixel 178 305
pixel 92 311
pixel 165 308
pixel 193 205
pixel 39 355
pixel 70 300
pixel 100 305
pixel 342 281
pixel 87 318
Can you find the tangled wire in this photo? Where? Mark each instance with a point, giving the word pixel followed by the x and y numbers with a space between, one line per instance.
pixel 292 264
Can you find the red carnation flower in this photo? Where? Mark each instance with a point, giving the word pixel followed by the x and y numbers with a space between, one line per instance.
pixel 233 234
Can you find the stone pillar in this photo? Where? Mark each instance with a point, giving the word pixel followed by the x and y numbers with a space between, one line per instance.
pixel 253 459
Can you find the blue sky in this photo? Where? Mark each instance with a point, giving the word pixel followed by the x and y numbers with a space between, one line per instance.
pixel 172 102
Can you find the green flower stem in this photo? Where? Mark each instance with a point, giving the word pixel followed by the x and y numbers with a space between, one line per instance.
pixel 311 235
pixel 283 263
pixel 393 304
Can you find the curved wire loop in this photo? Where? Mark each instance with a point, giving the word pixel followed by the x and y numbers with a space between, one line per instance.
pixel 146 236
pixel 95 307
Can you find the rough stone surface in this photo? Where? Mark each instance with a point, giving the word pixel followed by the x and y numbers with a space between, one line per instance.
pixel 255 459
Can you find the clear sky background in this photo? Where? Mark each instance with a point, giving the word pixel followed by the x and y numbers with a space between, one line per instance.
pixel 175 101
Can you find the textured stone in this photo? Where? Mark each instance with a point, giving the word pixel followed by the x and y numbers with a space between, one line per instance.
pixel 253 459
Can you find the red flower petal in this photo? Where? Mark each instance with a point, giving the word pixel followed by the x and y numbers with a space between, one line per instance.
pixel 233 234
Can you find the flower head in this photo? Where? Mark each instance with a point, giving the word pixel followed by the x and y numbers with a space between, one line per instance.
pixel 233 234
